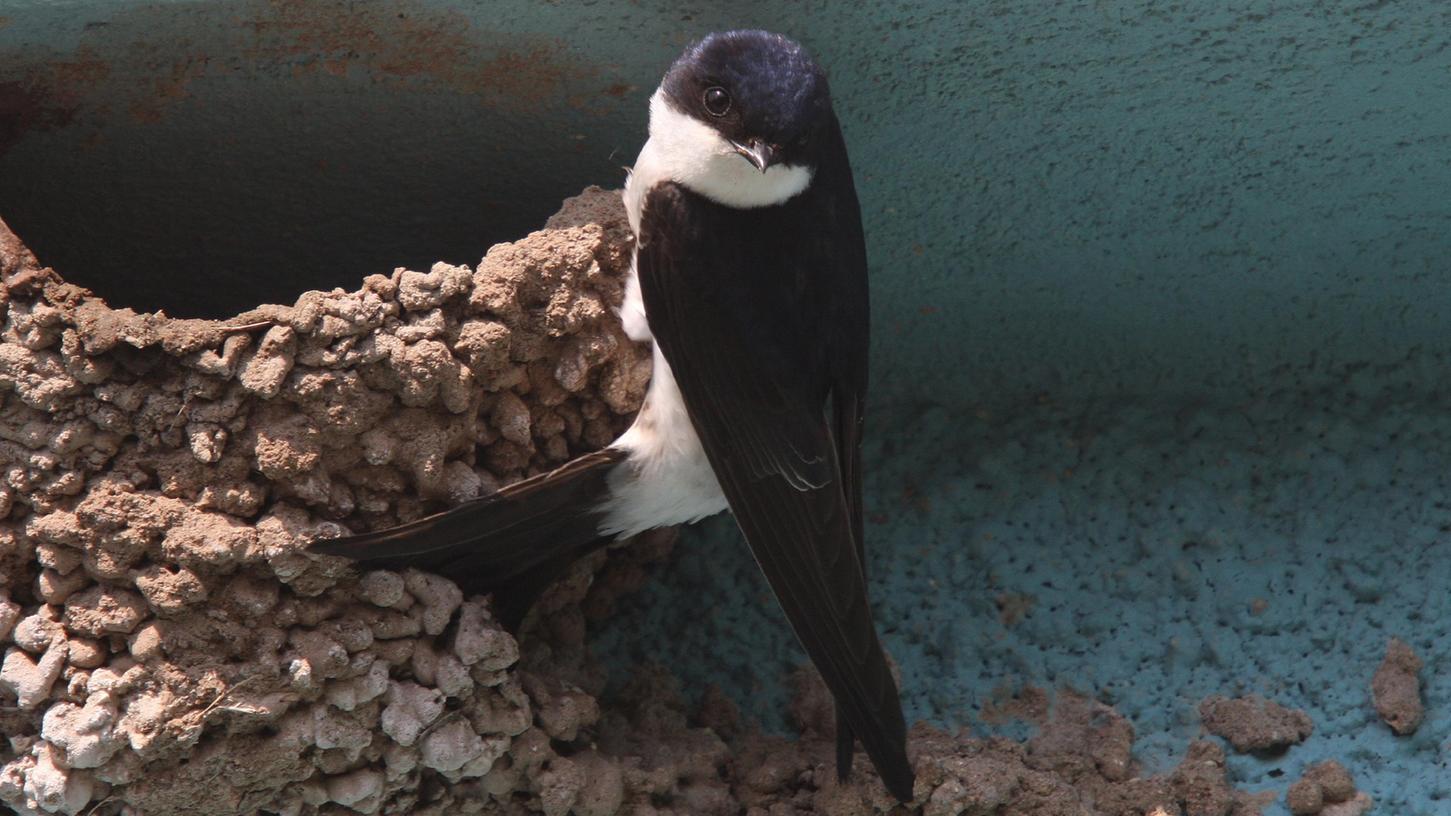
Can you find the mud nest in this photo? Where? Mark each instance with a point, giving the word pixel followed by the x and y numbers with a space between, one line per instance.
pixel 169 647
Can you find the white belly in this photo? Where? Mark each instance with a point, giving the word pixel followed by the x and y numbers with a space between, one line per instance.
pixel 666 478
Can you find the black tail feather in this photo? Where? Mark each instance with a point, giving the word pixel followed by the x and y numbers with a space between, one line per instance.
pixel 513 542
pixel 514 599
pixel 845 744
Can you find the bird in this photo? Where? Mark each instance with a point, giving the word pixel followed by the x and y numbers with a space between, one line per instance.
pixel 749 280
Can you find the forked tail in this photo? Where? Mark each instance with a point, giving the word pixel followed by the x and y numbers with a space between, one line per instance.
pixel 512 543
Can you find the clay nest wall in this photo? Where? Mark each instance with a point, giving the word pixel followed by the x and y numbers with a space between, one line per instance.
pixel 170 648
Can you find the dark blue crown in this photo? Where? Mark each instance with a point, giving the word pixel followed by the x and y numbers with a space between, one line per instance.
pixel 779 90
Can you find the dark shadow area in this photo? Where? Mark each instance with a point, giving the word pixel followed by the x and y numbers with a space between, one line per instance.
pixel 203 229
pixel 235 154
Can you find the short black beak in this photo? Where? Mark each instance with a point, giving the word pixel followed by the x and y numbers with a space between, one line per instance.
pixel 759 153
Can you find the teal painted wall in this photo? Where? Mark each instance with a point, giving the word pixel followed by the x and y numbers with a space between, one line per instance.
pixel 1061 197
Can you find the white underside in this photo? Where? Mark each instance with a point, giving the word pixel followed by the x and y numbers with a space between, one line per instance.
pixel 666 478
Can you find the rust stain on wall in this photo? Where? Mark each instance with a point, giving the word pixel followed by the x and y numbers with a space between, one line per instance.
pixel 168 87
pixel 409 42
pixel 23 109
pixel 49 95
pixel 143 62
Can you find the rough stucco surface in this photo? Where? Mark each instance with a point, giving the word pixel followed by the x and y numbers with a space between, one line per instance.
pixel 1149 554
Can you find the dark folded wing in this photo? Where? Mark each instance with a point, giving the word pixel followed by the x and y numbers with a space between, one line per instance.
pixel 745 326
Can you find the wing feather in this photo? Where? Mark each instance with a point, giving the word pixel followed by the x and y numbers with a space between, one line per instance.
pixel 752 331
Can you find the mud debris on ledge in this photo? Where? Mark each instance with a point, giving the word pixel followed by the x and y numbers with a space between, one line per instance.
pixel 1253 724
pixel 1396 689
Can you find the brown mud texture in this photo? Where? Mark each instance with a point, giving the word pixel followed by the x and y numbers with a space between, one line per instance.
pixel 170 648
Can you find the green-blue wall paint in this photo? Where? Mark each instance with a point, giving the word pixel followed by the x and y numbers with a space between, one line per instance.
pixel 1062 197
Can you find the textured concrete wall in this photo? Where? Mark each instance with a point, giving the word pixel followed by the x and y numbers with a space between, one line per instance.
pixel 1103 196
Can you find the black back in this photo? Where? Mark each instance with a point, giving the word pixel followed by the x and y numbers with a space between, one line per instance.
pixel 762 315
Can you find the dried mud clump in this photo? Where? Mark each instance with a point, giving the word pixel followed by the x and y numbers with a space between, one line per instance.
pixel 1396 689
pixel 1326 788
pixel 1254 724
pixel 1078 763
pixel 167 645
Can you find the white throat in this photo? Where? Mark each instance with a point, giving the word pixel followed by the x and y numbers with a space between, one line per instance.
pixel 687 151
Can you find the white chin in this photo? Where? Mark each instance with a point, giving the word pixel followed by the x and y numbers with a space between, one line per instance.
pixel 686 150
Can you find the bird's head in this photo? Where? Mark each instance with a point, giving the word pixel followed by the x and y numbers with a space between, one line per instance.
pixel 760 93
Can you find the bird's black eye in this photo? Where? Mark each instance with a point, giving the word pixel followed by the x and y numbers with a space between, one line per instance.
pixel 717 101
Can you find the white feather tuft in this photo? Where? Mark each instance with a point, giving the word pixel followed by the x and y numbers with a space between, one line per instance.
pixel 666 478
